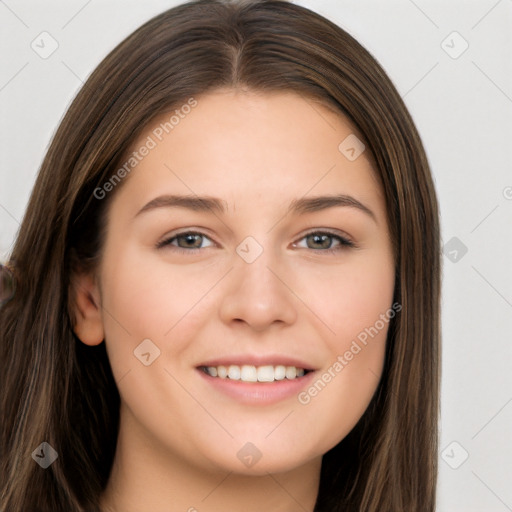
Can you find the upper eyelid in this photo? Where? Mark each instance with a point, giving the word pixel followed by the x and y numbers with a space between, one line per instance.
pixel 344 241
pixel 330 232
pixel 166 240
pixel 187 231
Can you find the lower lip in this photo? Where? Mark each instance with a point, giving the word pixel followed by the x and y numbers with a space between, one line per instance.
pixel 264 393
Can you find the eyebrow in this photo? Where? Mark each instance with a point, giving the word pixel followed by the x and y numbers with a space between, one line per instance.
pixel 318 203
pixel 297 206
pixel 196 203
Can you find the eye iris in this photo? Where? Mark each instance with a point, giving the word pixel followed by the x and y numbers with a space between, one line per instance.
pixel 190 241
pixel 320 241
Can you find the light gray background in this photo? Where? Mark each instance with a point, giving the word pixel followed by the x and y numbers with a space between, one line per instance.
pixel 463 110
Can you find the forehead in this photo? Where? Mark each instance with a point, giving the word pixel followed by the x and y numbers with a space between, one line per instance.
pixel 246 146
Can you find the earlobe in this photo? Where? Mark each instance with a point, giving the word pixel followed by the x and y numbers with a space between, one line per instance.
pixel 88 320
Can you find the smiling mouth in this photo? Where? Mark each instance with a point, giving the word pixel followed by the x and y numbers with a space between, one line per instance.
pixel 250 373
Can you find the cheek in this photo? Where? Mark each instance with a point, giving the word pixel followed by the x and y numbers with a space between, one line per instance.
pixel 144 298
pixel 349 298
pixel 339 395
pixel 356 305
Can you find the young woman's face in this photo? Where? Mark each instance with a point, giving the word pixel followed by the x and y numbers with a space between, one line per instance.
pixel 246 241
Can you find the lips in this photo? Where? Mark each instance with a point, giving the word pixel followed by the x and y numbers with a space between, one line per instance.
pixel 235 378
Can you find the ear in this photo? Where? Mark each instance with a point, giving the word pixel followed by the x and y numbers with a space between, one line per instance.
pixel 86 309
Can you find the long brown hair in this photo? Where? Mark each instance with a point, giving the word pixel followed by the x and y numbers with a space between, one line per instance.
pixel 57 390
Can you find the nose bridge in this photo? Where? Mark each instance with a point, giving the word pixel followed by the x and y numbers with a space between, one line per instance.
pixel 256 296
pixel 257 277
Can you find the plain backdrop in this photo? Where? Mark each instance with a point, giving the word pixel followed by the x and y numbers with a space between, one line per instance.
pixel 452 63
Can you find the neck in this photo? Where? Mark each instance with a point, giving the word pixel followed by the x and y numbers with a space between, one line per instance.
pixel 146 479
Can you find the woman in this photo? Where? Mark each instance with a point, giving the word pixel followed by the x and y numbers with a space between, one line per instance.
pixel 227 281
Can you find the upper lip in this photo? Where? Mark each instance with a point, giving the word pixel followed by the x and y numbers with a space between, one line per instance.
pixel 257 360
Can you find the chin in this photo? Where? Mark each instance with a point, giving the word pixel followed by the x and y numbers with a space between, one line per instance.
pixel 250 460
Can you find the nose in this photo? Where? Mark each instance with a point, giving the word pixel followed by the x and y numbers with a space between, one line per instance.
pixel 257 296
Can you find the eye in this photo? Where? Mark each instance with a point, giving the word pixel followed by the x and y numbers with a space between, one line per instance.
pixel 189 240
pixel 324 241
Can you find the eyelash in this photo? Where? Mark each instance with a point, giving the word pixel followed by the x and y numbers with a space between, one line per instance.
pixel 168 242
pixel 344 243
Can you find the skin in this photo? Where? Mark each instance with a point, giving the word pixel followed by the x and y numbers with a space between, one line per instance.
pixel 179 436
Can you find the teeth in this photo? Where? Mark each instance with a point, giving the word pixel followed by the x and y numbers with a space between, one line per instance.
pixel 265 374
pixel 234 372
pixel 291 372
pixel 279 372
pixel 249 373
